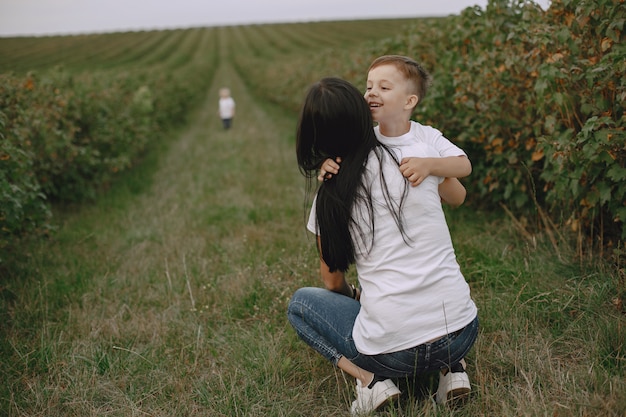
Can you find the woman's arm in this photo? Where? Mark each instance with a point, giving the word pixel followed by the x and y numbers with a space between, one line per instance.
pixel 336 281
pixel 452 192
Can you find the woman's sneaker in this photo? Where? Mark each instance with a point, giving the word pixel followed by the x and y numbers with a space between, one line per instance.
pixel 453 387
pixel 370 399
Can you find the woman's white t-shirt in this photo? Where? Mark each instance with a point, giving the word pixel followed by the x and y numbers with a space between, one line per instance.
pixel 413 291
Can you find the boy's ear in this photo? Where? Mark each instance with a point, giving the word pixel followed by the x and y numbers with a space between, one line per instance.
pixel 412 101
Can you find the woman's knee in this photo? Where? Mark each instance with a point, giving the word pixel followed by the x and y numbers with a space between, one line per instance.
pixel 303 295
pixel 300 299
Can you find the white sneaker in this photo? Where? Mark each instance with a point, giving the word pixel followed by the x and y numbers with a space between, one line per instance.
pixel 453 386
pixel 368 400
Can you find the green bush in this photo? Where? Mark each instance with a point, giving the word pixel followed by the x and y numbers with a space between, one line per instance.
pixel 23 206
pixel 539 105
pixel 64 136
pixel 582 90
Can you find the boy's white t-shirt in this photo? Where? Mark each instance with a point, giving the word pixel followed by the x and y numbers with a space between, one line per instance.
pixel 411 293
pixel 427 135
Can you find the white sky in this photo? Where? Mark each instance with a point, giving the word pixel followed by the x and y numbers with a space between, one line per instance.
pixel 45 17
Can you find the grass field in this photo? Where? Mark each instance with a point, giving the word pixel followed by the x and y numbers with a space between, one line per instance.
pixel 167 296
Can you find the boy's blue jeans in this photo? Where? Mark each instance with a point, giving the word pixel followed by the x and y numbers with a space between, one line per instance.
pixel 324 320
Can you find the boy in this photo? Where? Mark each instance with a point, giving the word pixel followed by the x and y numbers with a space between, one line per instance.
pixel 395 85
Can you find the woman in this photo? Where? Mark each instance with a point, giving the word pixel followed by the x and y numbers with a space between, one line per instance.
pixel 413 312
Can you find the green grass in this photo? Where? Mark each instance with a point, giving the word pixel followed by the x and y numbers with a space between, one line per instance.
pixel 167 297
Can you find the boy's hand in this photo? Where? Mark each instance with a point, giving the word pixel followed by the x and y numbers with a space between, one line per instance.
pixel 415 169
pixel 328 169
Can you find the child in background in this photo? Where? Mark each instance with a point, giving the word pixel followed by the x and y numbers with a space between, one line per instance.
pixel 226 108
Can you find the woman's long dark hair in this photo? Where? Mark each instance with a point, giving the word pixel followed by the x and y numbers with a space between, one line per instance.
pixel 335 121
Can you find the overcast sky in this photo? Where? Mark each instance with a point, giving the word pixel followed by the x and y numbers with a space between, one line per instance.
pixel 44 17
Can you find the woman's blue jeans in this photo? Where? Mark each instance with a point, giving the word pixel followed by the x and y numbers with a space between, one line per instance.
pixel 324 320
